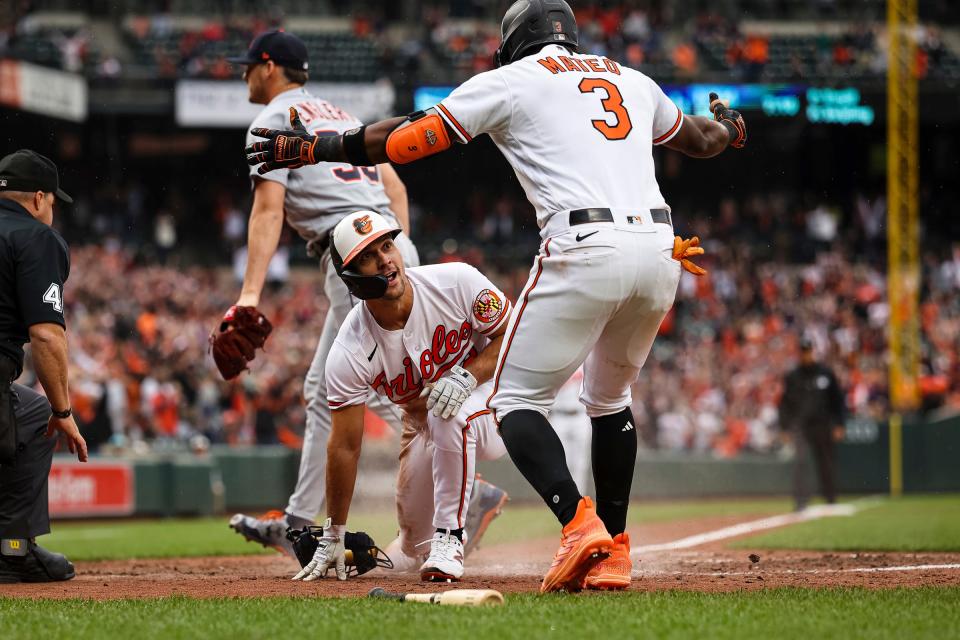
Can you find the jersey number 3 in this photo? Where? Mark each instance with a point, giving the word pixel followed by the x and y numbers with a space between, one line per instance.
pixel 612 104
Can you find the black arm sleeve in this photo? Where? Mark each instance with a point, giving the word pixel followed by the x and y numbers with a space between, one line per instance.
pixel 785 410
pixel 43 265
pixel 838 403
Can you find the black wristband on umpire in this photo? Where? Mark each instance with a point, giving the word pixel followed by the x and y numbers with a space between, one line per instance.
pixel 355 147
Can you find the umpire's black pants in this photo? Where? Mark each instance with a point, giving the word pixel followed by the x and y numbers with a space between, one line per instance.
pixel 23 485
pixel 815 442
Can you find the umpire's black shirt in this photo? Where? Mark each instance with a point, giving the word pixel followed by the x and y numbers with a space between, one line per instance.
pixel 34 264
pixel 812 399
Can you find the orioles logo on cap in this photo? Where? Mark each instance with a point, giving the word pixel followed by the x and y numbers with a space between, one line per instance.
pixel 363 225
pixel 487 307
pixel 557 26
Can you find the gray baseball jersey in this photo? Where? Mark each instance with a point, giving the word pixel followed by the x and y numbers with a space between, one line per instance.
pixel 319 195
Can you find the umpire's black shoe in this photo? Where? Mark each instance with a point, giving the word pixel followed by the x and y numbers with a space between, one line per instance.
pixel 25 561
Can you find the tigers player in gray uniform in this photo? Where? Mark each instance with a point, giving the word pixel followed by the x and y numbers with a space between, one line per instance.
pixel 312 201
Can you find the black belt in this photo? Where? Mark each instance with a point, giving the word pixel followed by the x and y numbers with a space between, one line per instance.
pixel 594 214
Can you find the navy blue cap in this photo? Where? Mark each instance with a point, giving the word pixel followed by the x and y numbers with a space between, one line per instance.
pixel 27 170
pixel 806 344
pixel 285 49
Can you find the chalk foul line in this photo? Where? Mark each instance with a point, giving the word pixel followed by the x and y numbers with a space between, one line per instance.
pixel 753 526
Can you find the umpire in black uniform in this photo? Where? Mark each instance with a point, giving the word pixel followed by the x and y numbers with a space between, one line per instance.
pixel 812 409
pixel 34 264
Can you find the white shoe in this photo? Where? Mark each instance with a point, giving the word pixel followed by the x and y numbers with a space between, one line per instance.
pixel 402 563
pixel 445 562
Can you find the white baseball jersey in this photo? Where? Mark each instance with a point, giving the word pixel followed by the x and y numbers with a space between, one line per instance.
pixel 595 151
pixel 455 308
pixel 319 195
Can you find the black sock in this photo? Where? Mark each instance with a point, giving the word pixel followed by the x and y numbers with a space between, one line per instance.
pixel 537 452
pixel 614 454
pixel 457 533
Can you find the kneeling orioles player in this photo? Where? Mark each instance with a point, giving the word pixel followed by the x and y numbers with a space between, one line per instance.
pixel 579 131
pixel 427 339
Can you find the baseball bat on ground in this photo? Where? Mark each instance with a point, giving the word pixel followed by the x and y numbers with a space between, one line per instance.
pixel 457 597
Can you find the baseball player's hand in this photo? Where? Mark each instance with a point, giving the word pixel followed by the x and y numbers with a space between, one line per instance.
pixel 731 119
pixel 684 250
pixel 330 554
pixel 450 392
pixel 283 149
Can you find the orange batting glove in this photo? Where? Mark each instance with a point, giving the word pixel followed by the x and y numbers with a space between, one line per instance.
pixel 683 250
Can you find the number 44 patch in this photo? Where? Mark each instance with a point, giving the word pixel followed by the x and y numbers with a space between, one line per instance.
pixel 53 296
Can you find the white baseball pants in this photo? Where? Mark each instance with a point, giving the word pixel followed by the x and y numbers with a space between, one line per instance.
pixel 596 295
pixel 438 491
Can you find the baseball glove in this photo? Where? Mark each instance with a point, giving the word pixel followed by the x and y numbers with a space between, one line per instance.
pixel 363 554
pixel 242 331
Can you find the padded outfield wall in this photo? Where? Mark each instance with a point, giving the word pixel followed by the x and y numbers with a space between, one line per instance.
pixel 260 478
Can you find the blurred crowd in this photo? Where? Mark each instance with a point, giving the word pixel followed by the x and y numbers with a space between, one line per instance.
pixel 653 42
pixel 140 370
pixel 713 381
pixel 779 269
pixel 445 46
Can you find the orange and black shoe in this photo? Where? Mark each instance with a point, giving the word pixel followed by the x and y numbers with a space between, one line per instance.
pixel 583 543
pixel 614 572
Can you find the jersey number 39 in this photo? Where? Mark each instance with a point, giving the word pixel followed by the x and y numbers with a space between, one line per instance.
pixel 612 104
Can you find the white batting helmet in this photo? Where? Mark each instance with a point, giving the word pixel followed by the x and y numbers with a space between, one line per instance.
pixel 348 239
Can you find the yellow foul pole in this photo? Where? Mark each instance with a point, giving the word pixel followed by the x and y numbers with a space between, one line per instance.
pixel 903 268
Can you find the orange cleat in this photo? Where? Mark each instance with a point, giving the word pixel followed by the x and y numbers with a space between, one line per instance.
pixel 583 543
pixel 614 572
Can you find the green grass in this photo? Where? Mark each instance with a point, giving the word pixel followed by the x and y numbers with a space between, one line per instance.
pixel 174 538
pixel 535 521
pixel 780 613
pixel 211 537
pixel 915 523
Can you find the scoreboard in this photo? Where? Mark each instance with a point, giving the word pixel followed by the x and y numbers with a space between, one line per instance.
pixel 822 105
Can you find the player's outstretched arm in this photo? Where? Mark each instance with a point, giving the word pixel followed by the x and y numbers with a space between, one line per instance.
pixel 400 140
pixel 701 137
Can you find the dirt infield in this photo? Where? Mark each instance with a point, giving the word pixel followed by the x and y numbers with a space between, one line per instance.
pixel 711 568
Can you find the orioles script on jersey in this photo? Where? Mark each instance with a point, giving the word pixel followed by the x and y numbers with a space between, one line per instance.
pixel 445 350
pixel 455 309
pixel 582 65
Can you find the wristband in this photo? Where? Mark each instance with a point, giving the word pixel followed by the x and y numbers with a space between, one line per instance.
pixel 66 413
pixel 355 147
pixel 731 130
